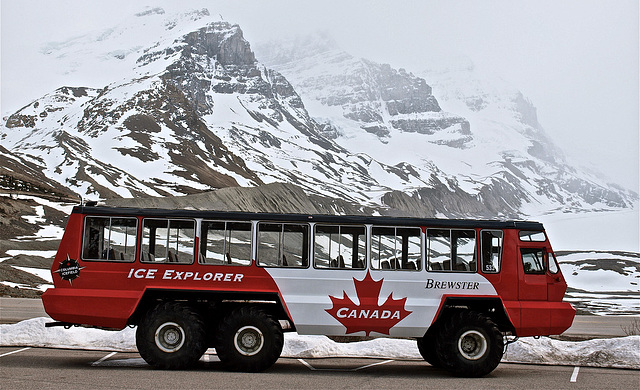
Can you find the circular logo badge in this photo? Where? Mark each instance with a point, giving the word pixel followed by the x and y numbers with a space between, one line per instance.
pixel 69 269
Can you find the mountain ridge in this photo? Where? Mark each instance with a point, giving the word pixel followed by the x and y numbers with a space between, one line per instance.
pixel 197 111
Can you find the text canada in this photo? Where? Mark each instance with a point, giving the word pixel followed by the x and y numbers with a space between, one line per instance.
pixel 369 314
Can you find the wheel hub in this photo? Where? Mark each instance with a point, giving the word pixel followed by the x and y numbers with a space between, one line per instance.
pixel 472 345
pixel 248 340
pixel 169 337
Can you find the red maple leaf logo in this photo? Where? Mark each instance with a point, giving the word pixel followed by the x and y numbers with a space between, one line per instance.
pixel 368 316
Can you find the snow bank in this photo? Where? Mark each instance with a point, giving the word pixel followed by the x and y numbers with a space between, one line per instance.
pixel 299 346
pixel 33 333
pixel 623 352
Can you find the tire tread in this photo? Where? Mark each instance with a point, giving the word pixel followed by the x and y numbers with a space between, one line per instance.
pixel 191 351
pixel 243 315
pixel 447 349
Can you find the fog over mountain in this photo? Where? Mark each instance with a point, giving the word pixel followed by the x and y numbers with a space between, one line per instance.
pixel 577 60
pixel 194 109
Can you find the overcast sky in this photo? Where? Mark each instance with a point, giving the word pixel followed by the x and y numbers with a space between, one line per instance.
pixel 576 60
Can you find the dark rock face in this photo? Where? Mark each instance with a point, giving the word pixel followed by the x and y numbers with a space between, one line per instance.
pixel 380 99
pixel 500 198
pixel 402 92
pixel 217 58
pixel 432 126
pixel 215 52
pixel 275 198
pixel 379 91
pixel 528 113
pixel 222 41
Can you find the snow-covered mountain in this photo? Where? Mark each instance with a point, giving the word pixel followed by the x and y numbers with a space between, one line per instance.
pixel 196 111
pixel 180 104
pixel 479 136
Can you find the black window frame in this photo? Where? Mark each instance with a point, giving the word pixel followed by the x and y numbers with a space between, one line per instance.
pixel 452 262
pixel 167 250
pixel 482 251
pixel 542 262
pixel 228 260
pixel 529 235
pixel 551 258
pixel 108 251
pixel 401 264
pixel 340 263
pixel 282 261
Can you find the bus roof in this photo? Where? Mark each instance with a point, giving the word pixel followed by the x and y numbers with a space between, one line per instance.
pixel 319 218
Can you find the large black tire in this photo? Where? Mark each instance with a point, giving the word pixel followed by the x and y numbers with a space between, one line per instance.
pixel 171 336
pixel 249 340
pixel 469 344
pixel 428 350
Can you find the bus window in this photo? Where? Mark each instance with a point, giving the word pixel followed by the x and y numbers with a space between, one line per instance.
pixel 339 246
pixel 283 245
pixel 553 263
pixel 452 250
pixel 491 247
pixel 396 248
pixel 533 260
pixel 168 241
pixel 227 243
pixel 532 236
pixel 112 239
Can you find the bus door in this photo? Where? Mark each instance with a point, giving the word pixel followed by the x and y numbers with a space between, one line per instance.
pixel 541 279
pixel 533 290
pixel 533 278
pixel 556 285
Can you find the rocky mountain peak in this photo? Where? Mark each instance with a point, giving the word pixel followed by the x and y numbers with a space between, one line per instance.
pixel 402 92
pixel 221 41
pixel 204 59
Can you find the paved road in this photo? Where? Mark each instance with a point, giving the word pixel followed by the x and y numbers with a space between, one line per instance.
pixel 600 326
pixel 37 368
pixel 17 309
pixel 14 310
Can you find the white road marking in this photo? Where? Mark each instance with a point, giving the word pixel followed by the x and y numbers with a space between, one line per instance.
pixel 210 357
pixel 132 362
pixel 372 364
pixel 574 376
pixel 97 362
pixel 12 352
pixel 312 368
pixel 309 366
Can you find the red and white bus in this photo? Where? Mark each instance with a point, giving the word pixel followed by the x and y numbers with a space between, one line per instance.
pixel 192 280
